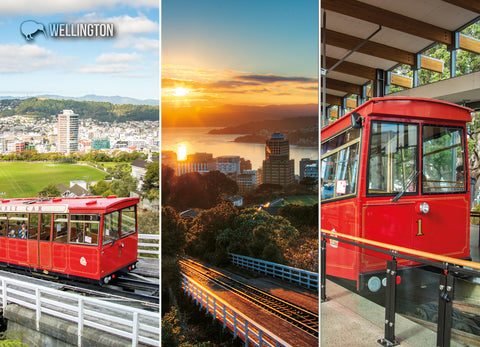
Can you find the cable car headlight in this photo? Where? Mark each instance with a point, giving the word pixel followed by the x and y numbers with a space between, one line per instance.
pixel 423 208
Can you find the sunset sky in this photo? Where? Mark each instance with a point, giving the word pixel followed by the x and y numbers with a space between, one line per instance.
pixel 249 52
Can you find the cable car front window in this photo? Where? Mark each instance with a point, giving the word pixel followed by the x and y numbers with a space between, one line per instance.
pixel 443 159
pixel 393 158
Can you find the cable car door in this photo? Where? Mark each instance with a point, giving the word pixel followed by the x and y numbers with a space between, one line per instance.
pixel 45 241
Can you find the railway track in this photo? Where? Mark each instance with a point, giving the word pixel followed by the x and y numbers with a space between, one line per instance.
pixel 295 315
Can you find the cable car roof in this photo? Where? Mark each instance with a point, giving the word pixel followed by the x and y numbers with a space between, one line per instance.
pixel 64 205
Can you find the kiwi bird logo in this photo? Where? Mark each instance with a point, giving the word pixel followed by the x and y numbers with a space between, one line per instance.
pixel 30 28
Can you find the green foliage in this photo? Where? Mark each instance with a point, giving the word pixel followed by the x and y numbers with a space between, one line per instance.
pixel 203 231
pixel 173 232
pixel 171 329
pixel 193 190
pixel 257 234
pixel 151 180
pixel 51 189
pixel 300 216
pixel 102 111
pixel 123 187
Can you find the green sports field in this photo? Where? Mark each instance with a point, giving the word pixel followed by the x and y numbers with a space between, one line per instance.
pixel 305 200
pixel 22 179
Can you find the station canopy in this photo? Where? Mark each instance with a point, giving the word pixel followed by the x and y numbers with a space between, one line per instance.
pixel 363 43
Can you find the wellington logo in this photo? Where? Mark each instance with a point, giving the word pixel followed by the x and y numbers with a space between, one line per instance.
pixel 31 28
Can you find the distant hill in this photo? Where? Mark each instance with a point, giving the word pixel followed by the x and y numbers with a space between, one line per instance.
pixel 117 100
pixel 231 115
pixel 300 131
pixel 102 111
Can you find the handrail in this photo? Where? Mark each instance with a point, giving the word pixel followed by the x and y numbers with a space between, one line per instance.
pixel 289 273
pixel 217 307
pixel 405 250
pixel 142 245
pixel 128 322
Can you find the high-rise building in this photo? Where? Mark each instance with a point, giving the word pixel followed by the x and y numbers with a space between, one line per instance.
pixel 278 168
pixel 196 162
pixel 67 132
pixel 303 163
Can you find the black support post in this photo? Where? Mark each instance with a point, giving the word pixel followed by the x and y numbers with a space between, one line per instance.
pixel 390 296
pixel 323 268
pixel 445 309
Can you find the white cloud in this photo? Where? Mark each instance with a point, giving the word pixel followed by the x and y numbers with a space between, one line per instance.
pixel 48 7
pixel 115 58
pixel 124 25
pixel 139 43
pixel 105 69
pixel 15 58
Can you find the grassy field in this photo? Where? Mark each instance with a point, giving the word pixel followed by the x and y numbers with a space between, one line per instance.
pixel 21 179
pixel 305 200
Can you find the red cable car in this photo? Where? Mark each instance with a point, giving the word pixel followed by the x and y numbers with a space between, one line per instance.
pixel 395 170
pixel 88 238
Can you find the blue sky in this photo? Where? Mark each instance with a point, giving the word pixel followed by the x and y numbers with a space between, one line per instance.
pixel 250 51
pixel 126 65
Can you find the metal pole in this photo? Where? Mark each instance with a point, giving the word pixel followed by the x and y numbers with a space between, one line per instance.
pixel 390 296
pixel 323 267
pixel 323 68
pixel 445 309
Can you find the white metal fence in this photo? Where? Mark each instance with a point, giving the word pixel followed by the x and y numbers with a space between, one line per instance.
pixel 241 326
pixel 137 325
pixel 287 273
pixel 145 247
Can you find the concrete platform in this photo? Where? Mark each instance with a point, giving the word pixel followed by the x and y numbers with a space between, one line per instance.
pixel 347 319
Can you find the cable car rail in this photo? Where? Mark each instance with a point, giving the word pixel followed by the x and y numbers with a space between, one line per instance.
pixel 295 315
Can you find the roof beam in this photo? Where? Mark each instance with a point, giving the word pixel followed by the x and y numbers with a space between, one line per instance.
pixel 372 14
pixel 470 5
pixel 353 69
pixel 333 100
pixel 379 50
pixel 347 87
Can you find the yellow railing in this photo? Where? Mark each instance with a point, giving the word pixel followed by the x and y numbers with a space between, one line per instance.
pixel 407 251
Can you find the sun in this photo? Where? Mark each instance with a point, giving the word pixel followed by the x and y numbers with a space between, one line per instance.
pixel 180 91
pixel 182 151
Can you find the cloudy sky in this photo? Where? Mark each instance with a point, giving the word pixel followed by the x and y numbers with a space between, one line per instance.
pixel 246 52
pixel 126 65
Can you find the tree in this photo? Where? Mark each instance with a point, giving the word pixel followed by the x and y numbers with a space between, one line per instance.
pixel 257 234
pixel 51 189
pixel 100 188
pixel 151 181
pixel 123 187
pixel 204 229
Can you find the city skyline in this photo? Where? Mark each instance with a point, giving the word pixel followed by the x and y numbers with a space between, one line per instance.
pixel 124 65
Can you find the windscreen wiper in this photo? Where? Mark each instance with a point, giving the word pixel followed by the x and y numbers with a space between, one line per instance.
pixel 404 189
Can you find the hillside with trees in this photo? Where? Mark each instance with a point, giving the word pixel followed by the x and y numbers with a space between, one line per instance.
pixel 101 111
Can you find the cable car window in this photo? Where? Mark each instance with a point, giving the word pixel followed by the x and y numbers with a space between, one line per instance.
pixel 340 140
pixel 393 158
pixel 339 168
pixel 84 228
pixel 443 159
pixel 3 224
pixel 33 226
pixel 111 223
pixel 17 225
pixel 60 227
pixel 45 226
pixel 129 221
